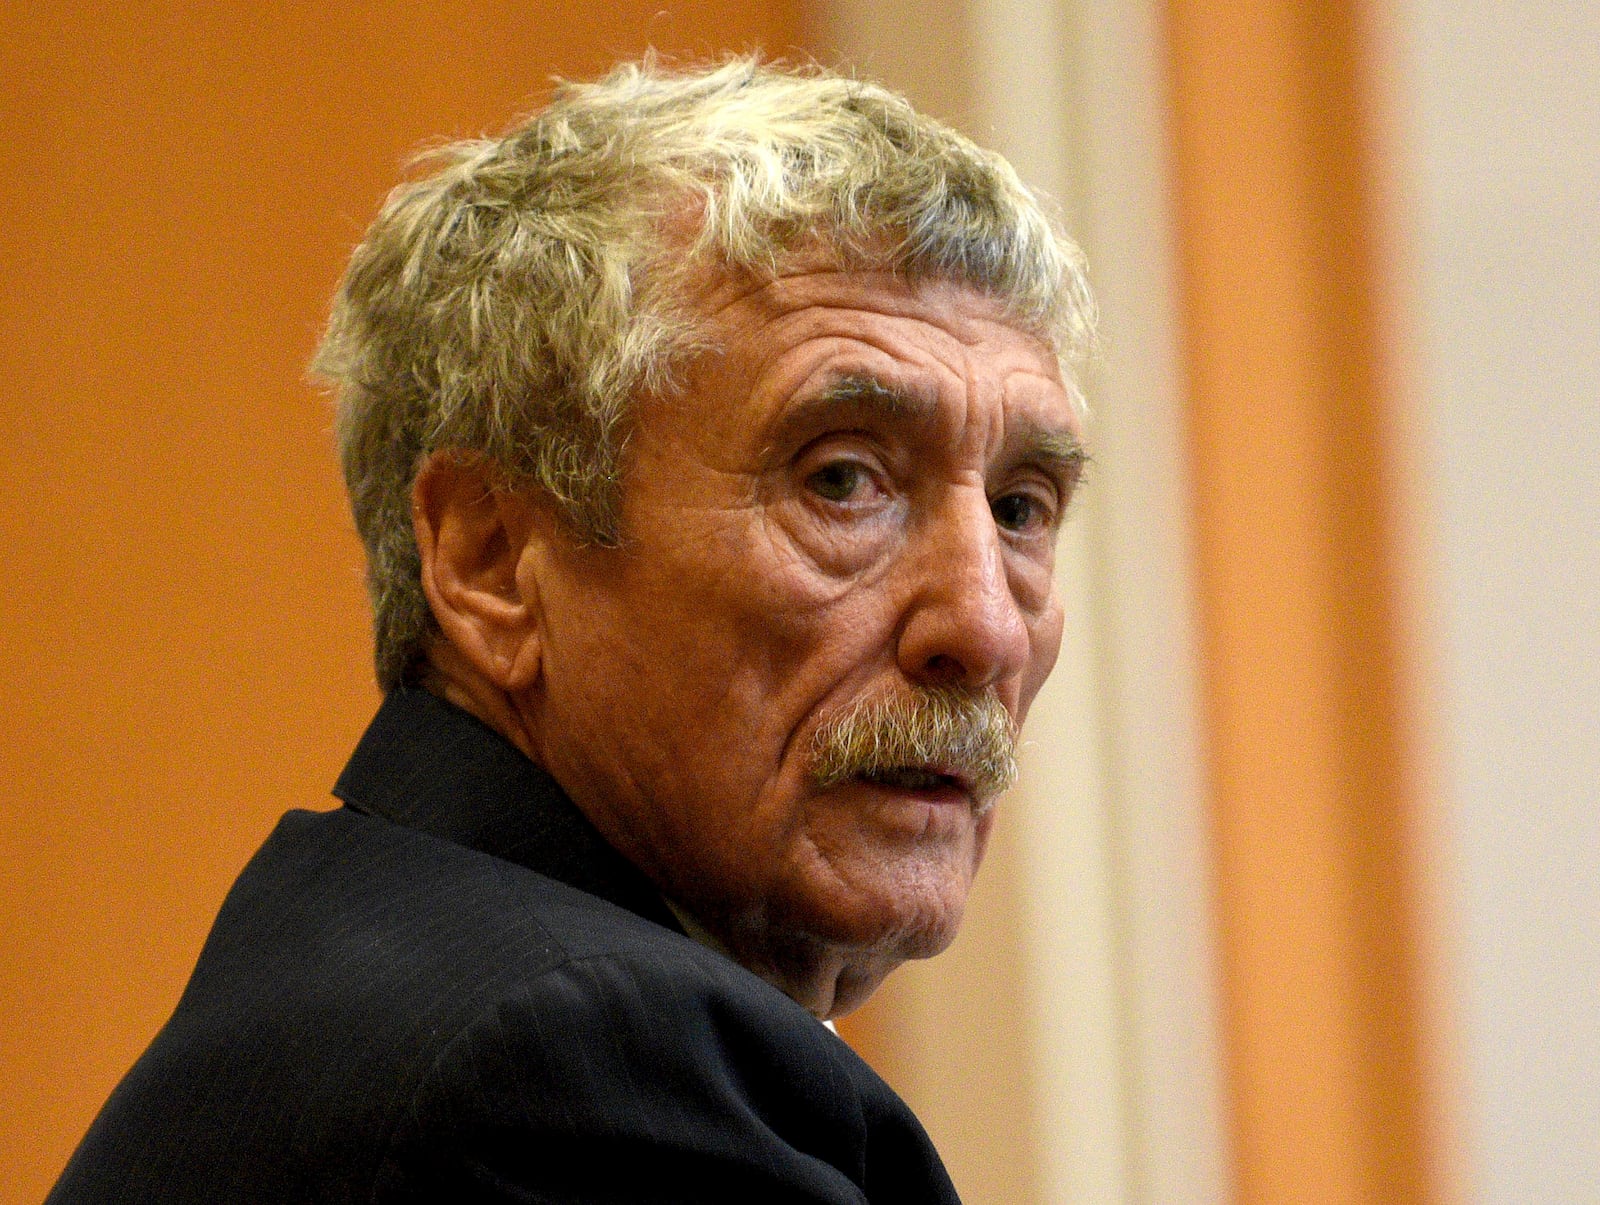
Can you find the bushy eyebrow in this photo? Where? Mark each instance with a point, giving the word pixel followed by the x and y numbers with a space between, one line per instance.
pixel 853 397
pixel 1059 452
pixel 869 395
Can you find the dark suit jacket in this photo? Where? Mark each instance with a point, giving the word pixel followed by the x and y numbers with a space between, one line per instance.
pixel 451 989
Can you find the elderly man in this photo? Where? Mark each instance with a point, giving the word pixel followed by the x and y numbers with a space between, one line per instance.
pixel 709 439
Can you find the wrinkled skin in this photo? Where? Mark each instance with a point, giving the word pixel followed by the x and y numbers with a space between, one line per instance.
pixel 791 546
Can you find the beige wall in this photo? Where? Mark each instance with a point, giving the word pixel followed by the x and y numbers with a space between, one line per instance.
pixel 1495 112
pixel 185 635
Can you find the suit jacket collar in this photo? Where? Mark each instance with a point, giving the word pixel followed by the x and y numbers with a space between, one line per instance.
pixel 426 764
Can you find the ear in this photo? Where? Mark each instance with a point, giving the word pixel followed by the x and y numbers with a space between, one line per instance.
pixel 473 533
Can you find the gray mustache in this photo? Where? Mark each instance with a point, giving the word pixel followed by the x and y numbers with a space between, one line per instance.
pixel 958 731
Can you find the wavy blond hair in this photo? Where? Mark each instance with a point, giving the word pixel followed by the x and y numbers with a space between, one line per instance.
pixel 515 299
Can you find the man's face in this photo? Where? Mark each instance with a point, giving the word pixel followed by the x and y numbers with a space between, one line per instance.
pixel 856 495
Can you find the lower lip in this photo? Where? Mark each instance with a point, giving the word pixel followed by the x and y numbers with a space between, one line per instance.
pixel 931 811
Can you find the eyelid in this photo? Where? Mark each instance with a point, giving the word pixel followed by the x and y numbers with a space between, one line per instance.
pixel 857 446
pixel 827 451
pixel 1045 493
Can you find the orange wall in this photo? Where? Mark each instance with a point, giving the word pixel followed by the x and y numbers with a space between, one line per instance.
pixel 1309 714
pixel 185 634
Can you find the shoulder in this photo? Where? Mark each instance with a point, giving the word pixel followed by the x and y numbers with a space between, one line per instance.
pixel 640 1071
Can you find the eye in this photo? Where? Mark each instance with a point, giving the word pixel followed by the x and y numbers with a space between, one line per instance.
pixel 1020 512
pixel 837 481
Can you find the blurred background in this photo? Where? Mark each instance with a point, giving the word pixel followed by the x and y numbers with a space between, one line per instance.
pixel 1299 899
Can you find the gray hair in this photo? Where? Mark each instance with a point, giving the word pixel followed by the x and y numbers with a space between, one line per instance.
pixel 514 301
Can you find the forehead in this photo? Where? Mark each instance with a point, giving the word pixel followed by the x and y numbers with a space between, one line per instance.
pixel 803 333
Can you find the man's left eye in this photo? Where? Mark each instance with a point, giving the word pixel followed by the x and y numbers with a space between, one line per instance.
pixel 1018 512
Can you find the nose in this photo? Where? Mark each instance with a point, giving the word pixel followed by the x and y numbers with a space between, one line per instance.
pixel 964 625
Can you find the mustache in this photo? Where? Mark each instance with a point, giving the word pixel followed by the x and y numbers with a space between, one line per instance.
pixel 963 733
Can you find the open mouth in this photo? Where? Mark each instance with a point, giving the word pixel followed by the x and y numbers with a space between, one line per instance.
pixel 910 778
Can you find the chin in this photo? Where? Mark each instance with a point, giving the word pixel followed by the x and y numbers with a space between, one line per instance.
pixel 907 902
pixel 927 931
pixel 914 914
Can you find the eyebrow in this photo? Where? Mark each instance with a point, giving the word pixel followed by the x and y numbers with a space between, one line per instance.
pixel 851 396
pixel 870 395
pixel 1059 451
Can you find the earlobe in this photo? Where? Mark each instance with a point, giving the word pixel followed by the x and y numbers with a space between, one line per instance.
pixel 472 535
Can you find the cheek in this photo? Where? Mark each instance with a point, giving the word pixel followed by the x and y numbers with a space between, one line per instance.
pixel 1044 639
pixel 836 547
pixel 795 591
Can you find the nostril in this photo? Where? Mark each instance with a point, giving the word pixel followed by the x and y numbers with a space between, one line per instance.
pixel 944 669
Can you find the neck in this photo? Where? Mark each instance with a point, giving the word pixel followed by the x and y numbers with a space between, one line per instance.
pixel 452 677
